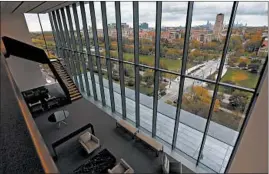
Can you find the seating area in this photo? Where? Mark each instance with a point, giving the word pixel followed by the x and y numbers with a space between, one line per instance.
pixel 152 143
pixel 80 148
pixel 89 142
pixel 41 99
pixel 121 167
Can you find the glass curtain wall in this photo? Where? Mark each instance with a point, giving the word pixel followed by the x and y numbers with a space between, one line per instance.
pixel 185 73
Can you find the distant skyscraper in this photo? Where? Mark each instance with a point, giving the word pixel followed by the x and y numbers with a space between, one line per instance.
pixel 218 27
pixel 144 26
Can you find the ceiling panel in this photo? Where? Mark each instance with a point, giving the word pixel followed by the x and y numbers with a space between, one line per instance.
pixel 46 6
pixel 9 6
pixel 61 5
pixel 32 6
pixel 28 5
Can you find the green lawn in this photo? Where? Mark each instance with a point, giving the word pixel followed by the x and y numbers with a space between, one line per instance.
pixel 241 77
pixel 171 64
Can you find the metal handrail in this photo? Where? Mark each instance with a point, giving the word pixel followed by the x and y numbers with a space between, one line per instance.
pixel 42 151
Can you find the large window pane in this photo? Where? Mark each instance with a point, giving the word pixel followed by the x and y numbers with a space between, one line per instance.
pixel 44 19
pixel 166 108
pixel 116 86
pixel 196 101
pixel 208 32
pixel 127 31
pixel 172 35
pixel 146 97
pixel 129 78
pixel 147 15
pixel 226 122
pixel 248 45
pixel 112 32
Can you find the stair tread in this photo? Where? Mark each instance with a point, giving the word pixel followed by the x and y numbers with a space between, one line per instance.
pixel 75 98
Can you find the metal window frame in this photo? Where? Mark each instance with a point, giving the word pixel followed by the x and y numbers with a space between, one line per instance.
pixel 57 34
pixel 54 34
pixel 183 70
pixel 73 44
pixel 215 93
pixel 136 61
pixel 107 48
pixel 88 46
pixel 81 57
pixel 68 43
pixel 43 34
pixel 63 40
pixel 120 56
pixel 157 70
pixel 157 65
pixel 97 52
pixel 80 44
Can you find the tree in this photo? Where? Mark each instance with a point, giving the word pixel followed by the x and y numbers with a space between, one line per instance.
pixel 113 45
pixel 148 77
pixel 130 82
pixel 235 43
pixel 242 65
pixel 254 67
pixel 198 101
pixel 195 44
pixel 232 61
pixel 162 89
pixel 253 43
pixel 129 71
pixel 238 101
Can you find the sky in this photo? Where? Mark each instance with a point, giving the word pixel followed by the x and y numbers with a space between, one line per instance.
pixel 173 14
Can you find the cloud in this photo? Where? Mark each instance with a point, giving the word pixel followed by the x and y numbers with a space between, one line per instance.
pixel 173 14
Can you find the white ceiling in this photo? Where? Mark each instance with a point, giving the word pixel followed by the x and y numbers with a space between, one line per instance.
pixel 32 6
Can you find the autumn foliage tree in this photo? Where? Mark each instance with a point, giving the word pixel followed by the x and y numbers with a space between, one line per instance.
pixel 198 101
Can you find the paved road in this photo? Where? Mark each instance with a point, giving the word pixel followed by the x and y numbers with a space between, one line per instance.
pixel 206 70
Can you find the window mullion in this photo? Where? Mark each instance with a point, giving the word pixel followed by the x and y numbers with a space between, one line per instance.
pixel 183 70
pixel 107 48
pixel 74 45
pixel 88 48
pixel 120 55
pixel 97 52
pixel 136 61
pixel 157 64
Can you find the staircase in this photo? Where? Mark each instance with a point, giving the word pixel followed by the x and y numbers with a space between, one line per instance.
pixel 73 90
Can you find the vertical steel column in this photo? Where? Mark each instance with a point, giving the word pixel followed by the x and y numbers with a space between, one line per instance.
pixel 63 39
pixel 157 64
pixel 68 42
pixel 108 62
pixel 120 55
pixel 88 48
pixel 183 70
pixel 136 61
pixel 54 35
pixel 57 34
pixel 214 97
pixel 74 45
pixel 81 55
pixel 97 52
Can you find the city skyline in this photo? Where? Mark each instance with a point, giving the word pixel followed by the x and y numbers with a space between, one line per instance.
pixel 173 14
